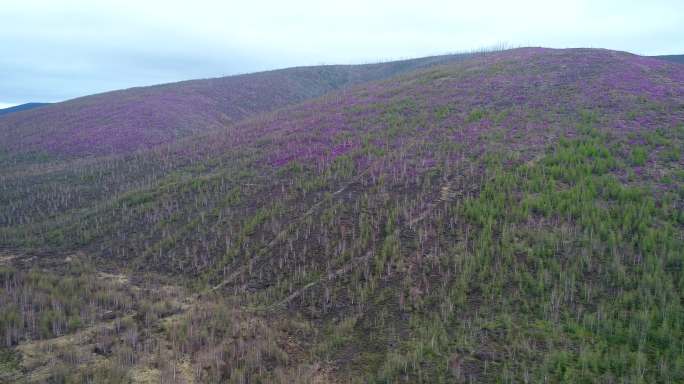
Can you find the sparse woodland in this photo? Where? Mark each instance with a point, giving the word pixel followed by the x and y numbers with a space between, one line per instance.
pixel 516 216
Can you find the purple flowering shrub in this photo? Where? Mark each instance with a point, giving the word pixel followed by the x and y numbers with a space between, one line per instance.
pixel 124 121
pixel 516 214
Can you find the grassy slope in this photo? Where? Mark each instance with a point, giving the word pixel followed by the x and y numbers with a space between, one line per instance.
pixel 514 217
pixel 124 121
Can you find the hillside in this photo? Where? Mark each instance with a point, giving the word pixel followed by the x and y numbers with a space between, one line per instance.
pixel 516 216
pixel 672 58
pixel 22 107
pixel 127 120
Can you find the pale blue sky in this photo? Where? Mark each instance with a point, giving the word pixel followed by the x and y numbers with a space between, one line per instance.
pixel 54 50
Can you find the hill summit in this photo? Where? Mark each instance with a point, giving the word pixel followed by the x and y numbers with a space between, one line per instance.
pixel 139 118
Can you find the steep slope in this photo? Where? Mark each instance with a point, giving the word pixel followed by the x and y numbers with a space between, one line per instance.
pixel 124 121
pixel 514 217
pixel 22 107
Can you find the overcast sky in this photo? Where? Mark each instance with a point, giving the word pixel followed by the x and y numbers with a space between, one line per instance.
pixel 54 50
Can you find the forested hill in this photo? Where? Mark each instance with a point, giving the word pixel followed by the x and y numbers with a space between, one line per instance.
pixel 124 121
pixel 512 217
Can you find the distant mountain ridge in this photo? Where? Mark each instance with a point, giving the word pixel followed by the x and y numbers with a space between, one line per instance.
pixel 21 107
pixel 672 58
pixel 127 120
